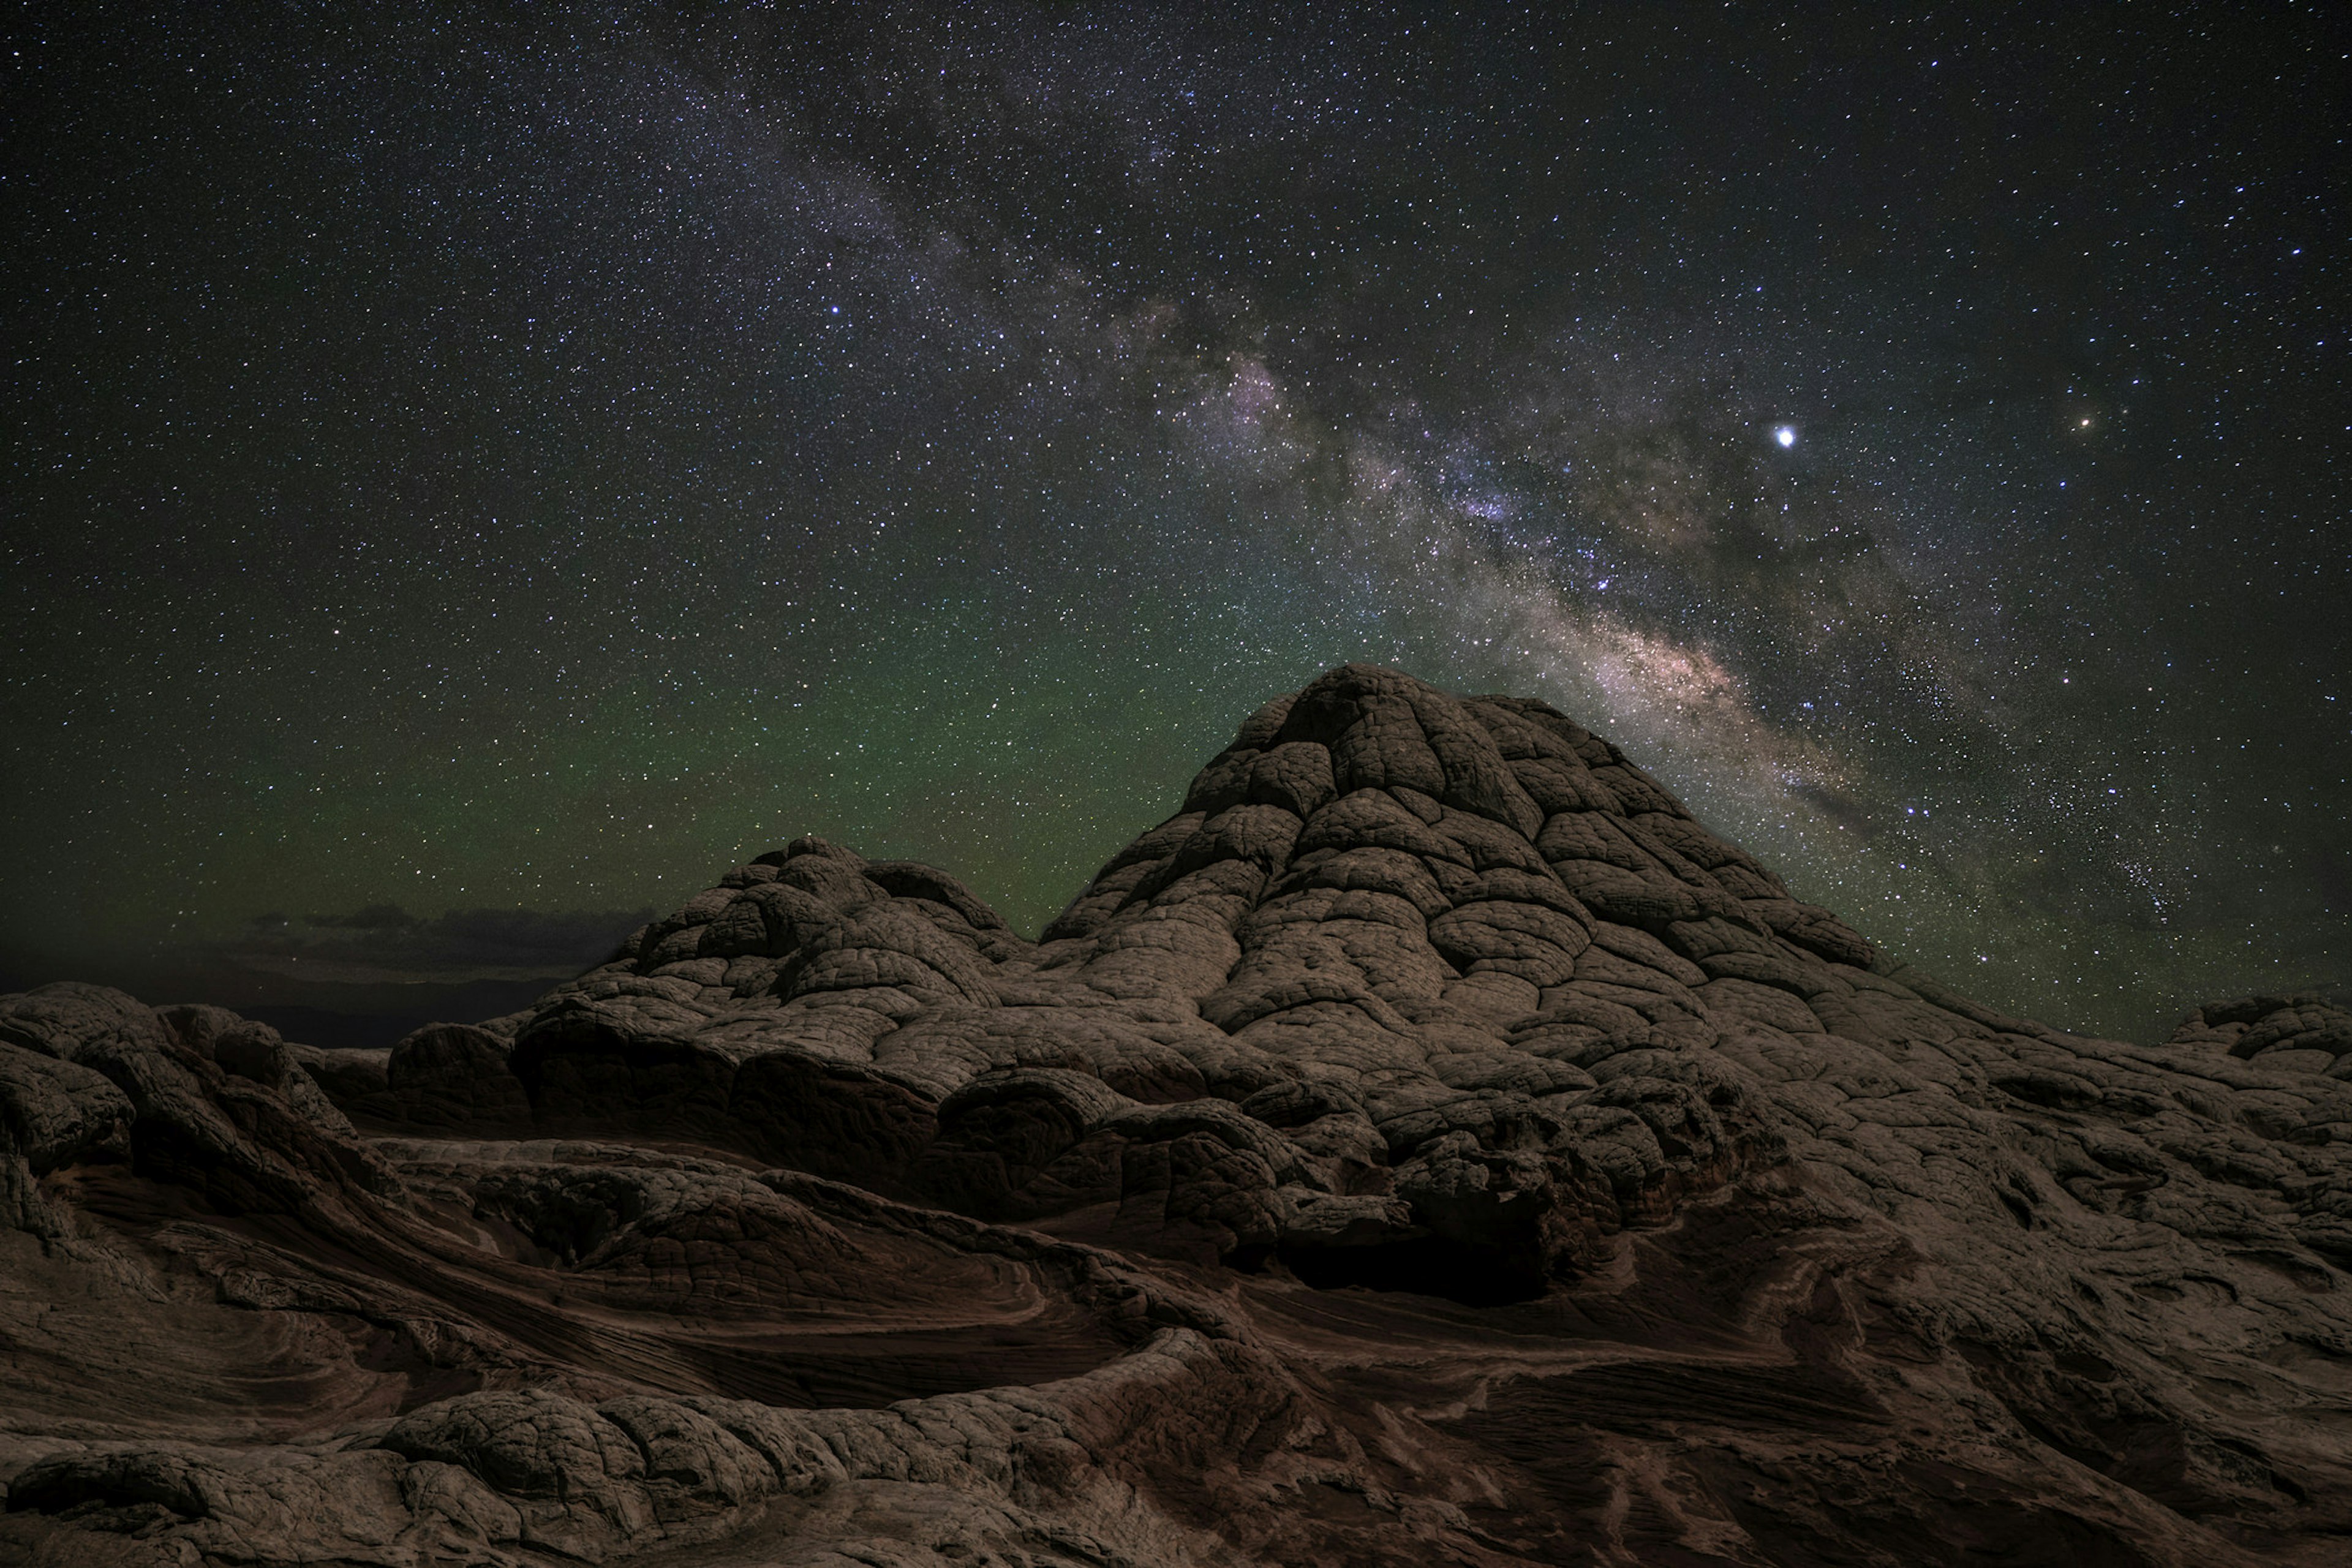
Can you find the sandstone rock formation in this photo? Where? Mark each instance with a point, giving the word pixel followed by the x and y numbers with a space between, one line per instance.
pixel 1430 1145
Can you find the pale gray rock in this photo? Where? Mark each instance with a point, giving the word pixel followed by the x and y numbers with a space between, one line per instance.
pixel 1430 1144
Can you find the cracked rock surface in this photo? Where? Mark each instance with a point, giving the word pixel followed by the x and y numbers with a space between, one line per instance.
pixel 1430 1145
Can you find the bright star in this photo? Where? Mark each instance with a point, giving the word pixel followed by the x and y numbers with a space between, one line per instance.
pixel 1786 435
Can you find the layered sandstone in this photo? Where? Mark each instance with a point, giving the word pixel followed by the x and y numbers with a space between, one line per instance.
pixel 1431 1144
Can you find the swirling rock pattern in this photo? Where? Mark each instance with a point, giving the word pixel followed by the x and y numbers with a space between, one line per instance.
pixel 1431 1144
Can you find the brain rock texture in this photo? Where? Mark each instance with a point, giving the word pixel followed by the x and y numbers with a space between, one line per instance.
pixel 1431 1145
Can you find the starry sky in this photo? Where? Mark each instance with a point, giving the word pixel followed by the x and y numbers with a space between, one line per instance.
pixel 473 474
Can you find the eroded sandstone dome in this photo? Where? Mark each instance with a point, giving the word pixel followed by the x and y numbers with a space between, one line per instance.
pixel 1430 1144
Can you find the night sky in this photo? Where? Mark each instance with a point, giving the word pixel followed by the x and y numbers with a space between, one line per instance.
pixel 468 463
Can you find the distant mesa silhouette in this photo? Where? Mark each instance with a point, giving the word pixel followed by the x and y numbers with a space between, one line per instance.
pixel 1430 1145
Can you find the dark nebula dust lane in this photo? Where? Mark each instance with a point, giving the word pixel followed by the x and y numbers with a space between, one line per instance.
pixel 464 464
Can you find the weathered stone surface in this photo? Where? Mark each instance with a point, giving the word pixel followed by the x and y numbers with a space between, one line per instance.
pixel 1431 1144
pixel 442 1075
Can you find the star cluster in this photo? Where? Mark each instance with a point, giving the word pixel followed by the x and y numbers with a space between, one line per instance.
pixel 537 459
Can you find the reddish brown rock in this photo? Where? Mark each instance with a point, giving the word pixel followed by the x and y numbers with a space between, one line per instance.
pixel 1428 1145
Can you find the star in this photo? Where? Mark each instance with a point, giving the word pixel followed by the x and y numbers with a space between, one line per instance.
pixel 1786 435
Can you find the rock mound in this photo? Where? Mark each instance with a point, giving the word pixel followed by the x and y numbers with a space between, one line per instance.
pixel 1431 1143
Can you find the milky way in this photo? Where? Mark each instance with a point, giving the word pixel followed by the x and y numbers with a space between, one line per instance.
pixel 470 465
